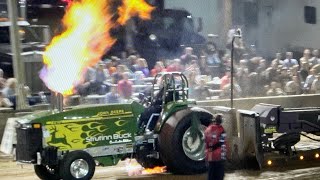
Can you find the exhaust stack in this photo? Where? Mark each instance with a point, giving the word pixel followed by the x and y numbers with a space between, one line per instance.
pixel 60 102
pixel 57 101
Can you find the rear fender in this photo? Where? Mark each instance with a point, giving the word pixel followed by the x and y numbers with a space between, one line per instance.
pixel 176 116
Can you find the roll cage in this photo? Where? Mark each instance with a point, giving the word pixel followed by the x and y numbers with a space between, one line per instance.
pixel 171 87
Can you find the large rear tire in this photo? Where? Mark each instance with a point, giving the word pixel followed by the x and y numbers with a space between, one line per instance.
pixel 77 165
pixel 46 172
pixel 179 151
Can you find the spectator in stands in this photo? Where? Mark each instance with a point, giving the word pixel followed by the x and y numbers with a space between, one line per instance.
pixel 110 69
pixel 226 62
pixel 125 86
pixel 272 73
pixel 226 91
pixel 242 77
pixel 117 76
pixel 115 61
pixel 124 59
pixel 293 87
pixel 133 63
pixel 113 96
pixel 213 61
pixel 143 66
pixel 294 70
pixel 245 58
pixel 188 56
pixel 225 79
pixel 284 77
pixel 158 68
pixel 315 59
pixel 138 77
pixel 254 63
pixel 309 81
pixel 306 56
pixel 192 84
pixel 212 55
pixel 255 85
pixel 4 102
pixel 101 87
pixel 289 61
pixel 262 66
pixel 277 61
pixel 304 71
pixel 201 91
pixel 100 74
pixel 89 77
pixel 2 80
pixel 203 66
pixel 193 66
pixel 275 90
pixel 315 87
pixel 175 66
pixel 10 89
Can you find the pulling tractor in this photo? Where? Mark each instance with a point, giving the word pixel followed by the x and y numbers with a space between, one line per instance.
pixel 165 129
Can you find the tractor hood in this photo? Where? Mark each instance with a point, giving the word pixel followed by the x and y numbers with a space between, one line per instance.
pixel 87 128
pixel 83 113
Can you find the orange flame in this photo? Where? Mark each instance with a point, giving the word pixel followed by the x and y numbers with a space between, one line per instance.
pixel 132 8
pixel 135 169
pixel 155 170
pixel 85 39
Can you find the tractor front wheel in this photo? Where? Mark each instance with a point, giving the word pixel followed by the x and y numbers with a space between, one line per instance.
pixel 77 165
pixel 46 172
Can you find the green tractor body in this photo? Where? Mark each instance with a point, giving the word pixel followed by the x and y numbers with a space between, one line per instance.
pixel 167 130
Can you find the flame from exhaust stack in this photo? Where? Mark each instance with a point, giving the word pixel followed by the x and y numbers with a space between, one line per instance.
pixel 155 170
pixel 135 169
pixel 86 38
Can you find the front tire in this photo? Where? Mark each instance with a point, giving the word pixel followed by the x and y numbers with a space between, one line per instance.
pixel 77 165
pixel 180 154
pixel 46 172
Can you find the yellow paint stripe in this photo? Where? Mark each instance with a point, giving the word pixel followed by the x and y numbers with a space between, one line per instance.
pixel 82 120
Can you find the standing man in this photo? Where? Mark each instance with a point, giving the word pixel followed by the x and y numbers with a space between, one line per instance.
pixel 289 61
pixel 215 149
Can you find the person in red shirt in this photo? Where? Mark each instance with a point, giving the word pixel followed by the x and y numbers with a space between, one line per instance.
pixel 225 79
pixel 175 66
pixel 125 87
pixel 158 68
pixel 215 149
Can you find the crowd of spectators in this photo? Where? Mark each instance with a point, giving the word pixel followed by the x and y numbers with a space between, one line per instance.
pixel 208 73
pixel 7 91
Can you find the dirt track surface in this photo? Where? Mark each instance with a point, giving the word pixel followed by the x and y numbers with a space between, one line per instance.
pixel 10 170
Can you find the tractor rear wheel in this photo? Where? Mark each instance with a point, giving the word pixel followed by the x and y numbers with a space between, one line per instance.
pixel 180 152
